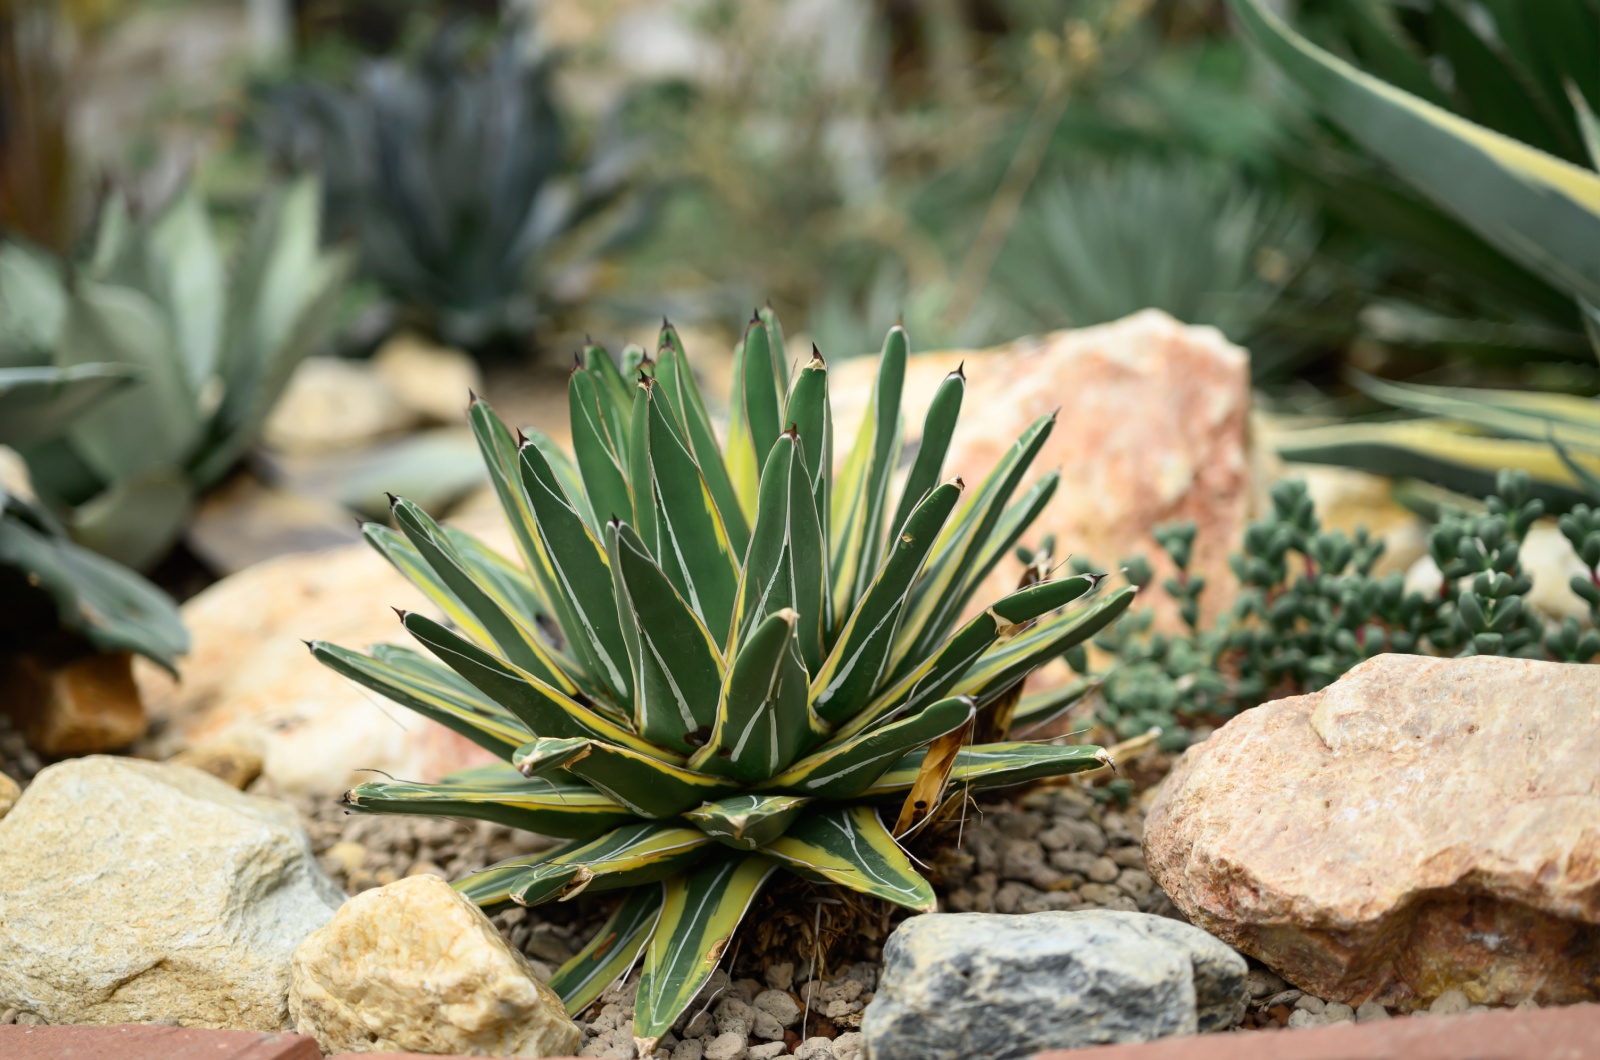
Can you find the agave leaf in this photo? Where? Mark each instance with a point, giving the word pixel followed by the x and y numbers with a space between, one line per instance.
pixel 615 393
pixel 501 458
pixel 861 493
pixel 478 718
pixel 785 566
pixel 701 912
pixel 677 667
pixel 1013 523
pixel 780 359
pixel 566 473
pixel 510 587
pixel 748 820
pixel 940 671
pixel 33 302
pixel 762 390
pixel 553 805
pixel 578 562
pixel 135 520
pixel 183 268
pixel 403 555
pixel 740 454
pixel 155 425
pixel 677 518
pixel 937 430
pixel 611 952
pixel 542 708
pixel 861 654
pixel 679 389
pixel 847 766
pixel 1572 421
pixel 1537 209
pixel 763 720
pixel 600 456
pixel 1009 662
pixel 937 600
pixel 849 845
pixel 1447 454
pixel 1036 708
pixel 111 606
pixel 633 854
pixel 647 785
pixel 284 293
pixel 37 403
pixel 927 791
pixel 995 765
pixel 514 634
pixel 809 413
pixel 491 887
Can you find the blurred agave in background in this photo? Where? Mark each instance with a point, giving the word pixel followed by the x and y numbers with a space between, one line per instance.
pixel 1194 241
pixel 470 201
pixel 208 350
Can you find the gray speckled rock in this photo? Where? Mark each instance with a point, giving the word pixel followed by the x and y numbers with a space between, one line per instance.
pixel 964 985
pixel 133 891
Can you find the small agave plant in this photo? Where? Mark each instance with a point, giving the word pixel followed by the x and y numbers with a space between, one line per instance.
pixel 722 662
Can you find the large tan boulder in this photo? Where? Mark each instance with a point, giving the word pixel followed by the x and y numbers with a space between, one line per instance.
pixel 1151 430
pixel 416 967
pixel 249 681
pixel 1421 825
pixel 135 891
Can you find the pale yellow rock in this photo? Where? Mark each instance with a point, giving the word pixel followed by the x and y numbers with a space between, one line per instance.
pixel 416 967
pixel 1421 825
pixel 433 381
pixel 235 766
pixel 330 405
pixel 135 891
pixel 9 793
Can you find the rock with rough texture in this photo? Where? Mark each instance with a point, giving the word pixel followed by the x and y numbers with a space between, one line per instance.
pixel 250 682
pixel 1151 430
pixel 90 704
pixel 434 382
pixel 136 891
pixel 961 985
pixel 1419 826
pixel 416 967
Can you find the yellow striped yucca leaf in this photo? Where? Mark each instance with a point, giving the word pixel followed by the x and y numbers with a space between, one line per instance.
pixel 1538 209
pixel 714 664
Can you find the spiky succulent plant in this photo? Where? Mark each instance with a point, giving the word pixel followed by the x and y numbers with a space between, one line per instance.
pixel 719 663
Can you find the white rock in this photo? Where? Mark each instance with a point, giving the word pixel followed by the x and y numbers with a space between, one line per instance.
pixel 434 382
pixel 332 404
pixel 136 891
pixel 727 1046
pixel 416 967
pixel 780 1005
pixel 847 1046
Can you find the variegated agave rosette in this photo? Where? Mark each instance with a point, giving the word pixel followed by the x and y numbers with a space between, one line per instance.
pixel 716 663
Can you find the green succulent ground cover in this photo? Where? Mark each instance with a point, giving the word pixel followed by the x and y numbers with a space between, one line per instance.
pixel 1309 607
pixel 716 662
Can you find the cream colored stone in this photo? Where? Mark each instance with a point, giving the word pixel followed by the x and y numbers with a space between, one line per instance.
pixel 1549 560
pixel 1151 429
pixel 235 766
pixel 416 967
pixel 332 404
pixel 249 681
pixel 1419 826
pixel 1348 500
pixel 10 792
pixel 434 382
pixel 136 891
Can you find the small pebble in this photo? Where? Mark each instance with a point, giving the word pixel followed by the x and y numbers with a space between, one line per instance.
pixel 1262 983
pixel 1103 870
pixel 1449 1003
pixel 847 1046
pixel 726 1046
pixel 1285 997
pixel 1313 1005
pixel 780 976
pixel 767 1050
pixel 1370 1011
pixel 1338 1012
pixel 818 1048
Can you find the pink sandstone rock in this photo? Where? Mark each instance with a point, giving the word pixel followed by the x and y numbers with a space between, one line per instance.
pixel 1151 430
pixel 1420 825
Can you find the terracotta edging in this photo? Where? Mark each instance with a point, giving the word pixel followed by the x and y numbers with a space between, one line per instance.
pixel 144 1041
pixel 1567 1033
